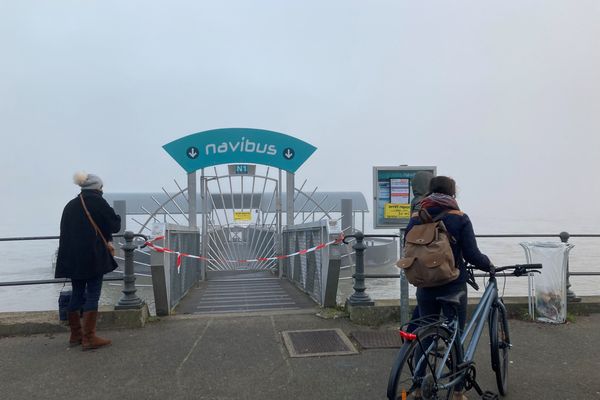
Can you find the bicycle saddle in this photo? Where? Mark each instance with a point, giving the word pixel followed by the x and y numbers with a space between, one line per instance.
pixel 451 299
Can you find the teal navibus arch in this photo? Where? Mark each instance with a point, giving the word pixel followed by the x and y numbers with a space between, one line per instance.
pixel 239 145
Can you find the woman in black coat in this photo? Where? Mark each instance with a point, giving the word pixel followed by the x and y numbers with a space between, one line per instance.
pixel 83 256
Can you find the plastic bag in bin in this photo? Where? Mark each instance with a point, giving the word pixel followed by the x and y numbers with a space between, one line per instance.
pixel 548 290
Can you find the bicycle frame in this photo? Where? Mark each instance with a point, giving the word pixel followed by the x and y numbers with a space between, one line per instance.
pixel 479 318
pixel 476 324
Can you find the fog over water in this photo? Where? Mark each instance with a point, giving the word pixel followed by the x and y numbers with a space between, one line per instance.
pixel 504 97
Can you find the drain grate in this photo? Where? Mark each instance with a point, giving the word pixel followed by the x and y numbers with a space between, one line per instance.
pixel 377 339
pixel 317 342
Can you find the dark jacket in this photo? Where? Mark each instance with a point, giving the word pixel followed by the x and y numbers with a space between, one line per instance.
pixel 81 253
pixel 464 247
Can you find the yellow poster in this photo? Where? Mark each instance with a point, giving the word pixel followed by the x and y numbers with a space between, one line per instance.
pixel 242 216
pixel 401 211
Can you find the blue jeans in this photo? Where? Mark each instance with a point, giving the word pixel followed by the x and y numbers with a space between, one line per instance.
pixel 428 305
pixel 86 294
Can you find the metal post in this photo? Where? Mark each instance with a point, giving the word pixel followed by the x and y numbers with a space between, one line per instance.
pixel 333 262
pixel 289 209
pixel 404 317
pixel 279 241
pixel 346 208
pixel 289 199
pixel 571 296
pixel 120 207
pixel 204 234
pixel 359 297
pixel 130 300
pixel 192 199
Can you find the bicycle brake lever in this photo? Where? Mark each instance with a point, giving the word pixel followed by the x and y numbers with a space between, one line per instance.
pixel 520 271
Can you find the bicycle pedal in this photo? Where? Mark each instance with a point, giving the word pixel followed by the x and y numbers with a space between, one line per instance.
pixel 487 395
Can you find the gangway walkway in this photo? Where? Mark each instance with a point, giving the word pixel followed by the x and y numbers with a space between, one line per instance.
pixel 243 291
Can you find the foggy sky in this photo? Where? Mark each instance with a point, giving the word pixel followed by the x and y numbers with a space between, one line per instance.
pixel 502 96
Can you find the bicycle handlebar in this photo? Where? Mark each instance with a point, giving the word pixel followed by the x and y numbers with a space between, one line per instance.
pixel 519 269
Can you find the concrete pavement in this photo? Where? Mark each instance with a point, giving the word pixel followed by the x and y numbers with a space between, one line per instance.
pixel 226 357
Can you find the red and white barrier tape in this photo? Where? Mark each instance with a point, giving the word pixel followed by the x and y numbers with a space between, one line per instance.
pixel 180 255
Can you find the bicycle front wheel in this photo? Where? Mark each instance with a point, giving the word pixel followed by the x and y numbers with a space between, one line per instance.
pixel 425 366
pixel 499 343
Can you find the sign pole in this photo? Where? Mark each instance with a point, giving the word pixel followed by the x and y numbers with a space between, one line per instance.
pixel 192 212
pixel 204 233
pixel 289 199
pixel 289 206
pixel 279 223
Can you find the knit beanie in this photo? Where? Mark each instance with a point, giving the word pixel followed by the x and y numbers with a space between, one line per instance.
pixel 88 181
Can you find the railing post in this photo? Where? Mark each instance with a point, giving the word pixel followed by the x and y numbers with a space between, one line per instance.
pixel 359 297
pixel 571 296
pixel 129 300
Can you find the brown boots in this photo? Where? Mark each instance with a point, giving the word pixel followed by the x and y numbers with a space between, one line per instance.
pixel 86 336
pixel 89 339
pixel 75 325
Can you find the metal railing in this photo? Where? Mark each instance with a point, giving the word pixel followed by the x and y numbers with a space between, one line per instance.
pixel 309 272
pixel 129 300
pixel 361 298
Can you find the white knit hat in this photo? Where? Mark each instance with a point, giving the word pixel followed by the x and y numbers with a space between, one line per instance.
pixel 88 181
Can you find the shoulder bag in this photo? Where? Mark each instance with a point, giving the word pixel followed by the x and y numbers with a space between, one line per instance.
pixel 109 245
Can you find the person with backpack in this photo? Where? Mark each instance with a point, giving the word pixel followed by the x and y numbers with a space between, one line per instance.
pixel 420 188
pixel 441 205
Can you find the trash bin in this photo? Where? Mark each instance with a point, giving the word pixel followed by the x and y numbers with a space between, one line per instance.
pixel 548 290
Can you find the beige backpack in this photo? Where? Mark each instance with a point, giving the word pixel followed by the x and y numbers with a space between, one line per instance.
pixel 428 259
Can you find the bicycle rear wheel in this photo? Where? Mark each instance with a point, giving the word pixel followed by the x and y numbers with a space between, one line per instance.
pixel 499 345
pixel 420 366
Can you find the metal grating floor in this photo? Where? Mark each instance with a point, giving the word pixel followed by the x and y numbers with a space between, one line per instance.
pixel 377 339
pixel 317 342
pixel 244 292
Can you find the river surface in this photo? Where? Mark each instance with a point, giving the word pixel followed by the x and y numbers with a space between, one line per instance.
pixel 32 260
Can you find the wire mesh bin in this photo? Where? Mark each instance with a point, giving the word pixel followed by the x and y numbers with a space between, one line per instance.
pixel 548 290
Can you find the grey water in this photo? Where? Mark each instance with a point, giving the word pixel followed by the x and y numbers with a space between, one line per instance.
pixel 30 260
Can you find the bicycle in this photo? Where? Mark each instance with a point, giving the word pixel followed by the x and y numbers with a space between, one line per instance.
pixel 433 358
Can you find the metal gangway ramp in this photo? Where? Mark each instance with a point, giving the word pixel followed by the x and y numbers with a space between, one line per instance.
pixel 239 244
pixel 243 292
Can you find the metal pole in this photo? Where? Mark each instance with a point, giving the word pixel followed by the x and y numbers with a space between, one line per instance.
pixel 346 209
pixel 279 240
pixel 404 316
pixel 289 209
pixel 120 207
pixel 192 199
pixel 289 199
pixel 130 300
pixel 571 296
pixel 359 297
pixel 204 234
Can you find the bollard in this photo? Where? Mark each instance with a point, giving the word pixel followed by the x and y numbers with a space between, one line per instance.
pixel 571 296
pixel 129 300
pixel 359 297
pixel 333 276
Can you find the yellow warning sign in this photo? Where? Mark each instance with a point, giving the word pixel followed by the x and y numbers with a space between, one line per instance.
pixel 401 211
pixel 242 216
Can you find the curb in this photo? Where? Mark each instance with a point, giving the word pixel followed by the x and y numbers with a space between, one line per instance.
pixel 36 322
pixel 388 311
